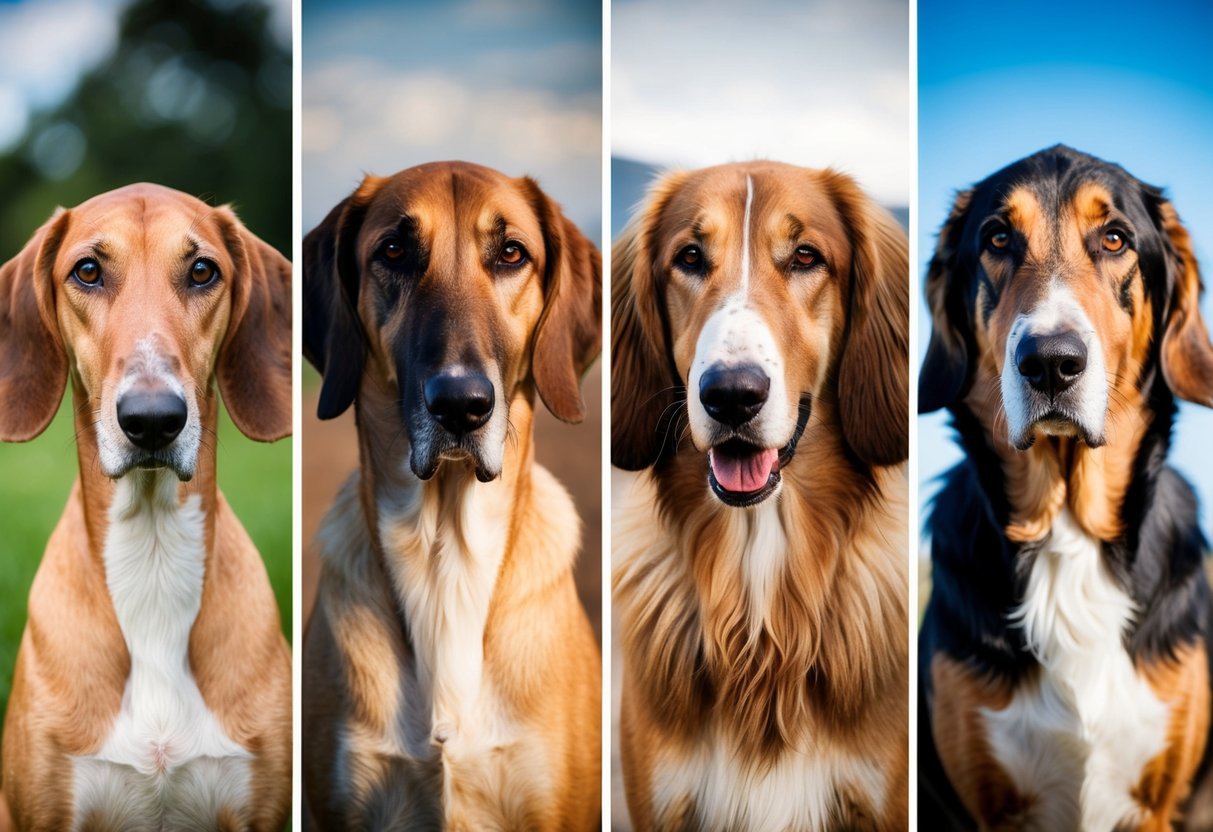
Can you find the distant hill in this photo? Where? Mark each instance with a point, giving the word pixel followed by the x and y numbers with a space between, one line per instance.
pixel 630 179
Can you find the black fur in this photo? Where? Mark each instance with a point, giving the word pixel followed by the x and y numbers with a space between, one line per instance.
pixel 977 574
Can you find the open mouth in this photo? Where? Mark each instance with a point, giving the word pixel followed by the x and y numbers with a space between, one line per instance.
pixel 742 474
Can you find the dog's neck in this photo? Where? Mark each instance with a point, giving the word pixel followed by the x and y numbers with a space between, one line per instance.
pixel 751 595
pixel 444 544
pixel 1063 472
pixel 99 491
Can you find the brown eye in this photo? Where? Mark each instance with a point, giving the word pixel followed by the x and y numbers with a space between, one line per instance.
pixel 513 254
pixel 1000 239
pixel 690 257
pixel 203 272
pixel 1113 242
pixel 88 272
pixel 392 250
pixel 805 256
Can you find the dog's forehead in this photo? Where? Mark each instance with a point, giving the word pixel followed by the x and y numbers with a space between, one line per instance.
pixel 782 198
pixel 148 222
pixel 447 197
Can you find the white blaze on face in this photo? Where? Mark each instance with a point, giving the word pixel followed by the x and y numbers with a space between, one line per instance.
pixel 734 335
pixel 1058 312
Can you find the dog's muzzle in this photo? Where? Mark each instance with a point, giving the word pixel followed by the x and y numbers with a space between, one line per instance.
pixel 460 421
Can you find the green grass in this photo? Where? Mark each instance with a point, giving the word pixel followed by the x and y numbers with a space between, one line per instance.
pixel 37 478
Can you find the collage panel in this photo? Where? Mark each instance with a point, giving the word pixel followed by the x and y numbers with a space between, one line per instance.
pixel 145 370
pixel 1064 468
pixel 759 415
pixel 452 294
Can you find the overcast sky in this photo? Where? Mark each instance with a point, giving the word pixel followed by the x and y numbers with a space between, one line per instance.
pixel 515 86
pixel 813 82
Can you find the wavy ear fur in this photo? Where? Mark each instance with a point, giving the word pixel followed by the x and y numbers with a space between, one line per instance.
pixel 945 369
pixel 569 335
pixel 254 365
pixel 1187 356
pixel 333 339
pixel 873 375
pixel 643 393
pixel 33 364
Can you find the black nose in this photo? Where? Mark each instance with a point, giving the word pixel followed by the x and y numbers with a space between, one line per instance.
pixel 1051 363
pixel 734 395
pixel 460 403
pixel 151 420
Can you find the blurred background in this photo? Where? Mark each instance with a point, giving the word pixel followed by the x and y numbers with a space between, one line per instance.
pixel 995 86
pixel 818 83
pixel 513 85
pixel 811 82
pixel 95 94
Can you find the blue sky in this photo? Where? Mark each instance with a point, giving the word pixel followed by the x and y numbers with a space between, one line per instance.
pixel 516 86
pixel 1129 82
pixel 811 82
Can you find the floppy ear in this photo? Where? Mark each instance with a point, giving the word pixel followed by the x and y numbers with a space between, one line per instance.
pixel 643 391
pixel 1187 357
pixel 569 335
pixel 254 365
pixel 873 375
pixel 945 370
pixel 33 364
pixel 332 334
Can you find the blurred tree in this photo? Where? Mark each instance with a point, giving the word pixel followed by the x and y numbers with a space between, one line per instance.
pixel 195 95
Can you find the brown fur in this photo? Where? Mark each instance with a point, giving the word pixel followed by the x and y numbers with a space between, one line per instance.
pixel 73 663
pixel 694 663
pixel 961 698
pixel 1060 472
pixel 362 666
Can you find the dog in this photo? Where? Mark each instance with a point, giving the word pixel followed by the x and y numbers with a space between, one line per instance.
pixel 451 678
pixel 759 381
pixel 153 683
pixel 1064 663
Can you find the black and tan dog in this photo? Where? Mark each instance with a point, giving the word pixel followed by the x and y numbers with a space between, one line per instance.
pixel 451 679
pixel 1064 664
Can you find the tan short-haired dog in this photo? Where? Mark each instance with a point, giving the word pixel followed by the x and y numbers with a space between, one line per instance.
pixel 451 678
pixel 758 380
pixel 153 683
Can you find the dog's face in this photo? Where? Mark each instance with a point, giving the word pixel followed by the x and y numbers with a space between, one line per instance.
pixel 1052 281
pixel 460 288
pixel 146 294
pixel 738 282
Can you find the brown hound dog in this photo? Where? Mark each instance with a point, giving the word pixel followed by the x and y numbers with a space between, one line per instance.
pixel 153 683
pixel 759 382
pixel 451 679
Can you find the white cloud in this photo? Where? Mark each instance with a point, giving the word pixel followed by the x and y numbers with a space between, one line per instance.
pixel 694 83
pixel 362 116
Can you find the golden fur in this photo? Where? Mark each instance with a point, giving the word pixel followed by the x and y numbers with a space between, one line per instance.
pixel 73 663
pixel 393 737
pixel 816 666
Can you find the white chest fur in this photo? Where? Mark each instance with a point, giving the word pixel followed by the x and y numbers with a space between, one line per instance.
pixel 166 762
pixel 797 791
pixel 1080 738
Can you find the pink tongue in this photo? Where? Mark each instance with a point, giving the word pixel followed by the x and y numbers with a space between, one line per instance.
pixel 743 473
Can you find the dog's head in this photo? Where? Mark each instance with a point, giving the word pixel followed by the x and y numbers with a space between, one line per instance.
pixel 143 295
pixel 1059 286
pixel 752 291
pixel 460 289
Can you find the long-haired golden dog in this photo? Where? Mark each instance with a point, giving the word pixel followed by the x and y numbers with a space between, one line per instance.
pixel 759 380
